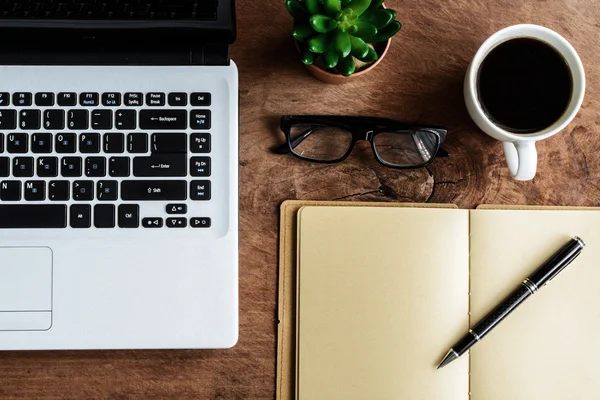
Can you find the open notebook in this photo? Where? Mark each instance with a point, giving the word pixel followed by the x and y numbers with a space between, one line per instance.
pixel 383 293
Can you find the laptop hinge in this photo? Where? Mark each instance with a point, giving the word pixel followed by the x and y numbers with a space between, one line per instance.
pixel 210 55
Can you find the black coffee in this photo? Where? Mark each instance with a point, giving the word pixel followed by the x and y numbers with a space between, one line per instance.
pixel 524 85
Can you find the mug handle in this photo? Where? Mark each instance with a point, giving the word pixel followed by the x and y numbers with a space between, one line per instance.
pixel 521 158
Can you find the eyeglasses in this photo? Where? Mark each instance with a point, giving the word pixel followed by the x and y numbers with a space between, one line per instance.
pixel 330 139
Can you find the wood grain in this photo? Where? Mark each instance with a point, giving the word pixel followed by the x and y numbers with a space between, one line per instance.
pixel 420 80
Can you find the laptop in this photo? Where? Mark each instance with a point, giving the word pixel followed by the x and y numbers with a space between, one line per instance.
pixel 118 174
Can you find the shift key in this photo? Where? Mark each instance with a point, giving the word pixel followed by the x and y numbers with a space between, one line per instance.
pixel 153 190
pixel 163 119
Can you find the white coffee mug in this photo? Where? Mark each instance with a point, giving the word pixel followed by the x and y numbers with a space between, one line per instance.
pixel 519 150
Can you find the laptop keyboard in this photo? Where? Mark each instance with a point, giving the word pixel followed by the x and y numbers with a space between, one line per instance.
pixel 75 148
pixel 110 9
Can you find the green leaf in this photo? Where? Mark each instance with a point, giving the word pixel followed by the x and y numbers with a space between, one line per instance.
pixel 331 58
pixel 375 4
pixel 313 6
pixel 318 44
pixel 378 18
pixel 346 66
pixel 364 29
pixel 371 55
pixel 322 24
pixel 359 6
pixel 307 57
pixel 332 7
pixel 296 9
pixel 302 32
pixel 385 33
pixel 341 43
pixel 345 3
pixel 359 47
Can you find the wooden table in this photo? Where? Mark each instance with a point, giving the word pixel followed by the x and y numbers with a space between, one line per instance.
pixel 420 80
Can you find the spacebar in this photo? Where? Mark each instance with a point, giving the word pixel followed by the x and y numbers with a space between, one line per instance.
pixel 33 216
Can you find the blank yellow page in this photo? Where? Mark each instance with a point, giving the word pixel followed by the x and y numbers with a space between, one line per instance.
pixel 549 347
pixel 382 295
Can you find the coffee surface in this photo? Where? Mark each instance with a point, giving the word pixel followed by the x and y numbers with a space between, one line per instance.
pixel 524 85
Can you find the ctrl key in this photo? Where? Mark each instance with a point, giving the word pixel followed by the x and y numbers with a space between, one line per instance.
pixel 200 190
pixel 129 216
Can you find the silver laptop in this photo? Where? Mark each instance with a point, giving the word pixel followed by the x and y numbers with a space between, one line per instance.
pixel 118 175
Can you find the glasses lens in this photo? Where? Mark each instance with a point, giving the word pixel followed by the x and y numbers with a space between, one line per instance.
pixel 406 148
pixel 319 142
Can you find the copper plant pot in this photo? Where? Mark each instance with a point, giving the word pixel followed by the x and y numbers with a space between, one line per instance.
pixel 337 79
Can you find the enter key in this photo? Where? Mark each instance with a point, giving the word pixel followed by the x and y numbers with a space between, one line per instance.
pixel 160 165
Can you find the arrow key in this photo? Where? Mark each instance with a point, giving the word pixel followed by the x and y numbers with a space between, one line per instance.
pixel 176 208
pixel 176 222
pixel 152 222
pixel 200 222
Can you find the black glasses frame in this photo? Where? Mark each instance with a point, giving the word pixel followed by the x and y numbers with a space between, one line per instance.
pixel 361 128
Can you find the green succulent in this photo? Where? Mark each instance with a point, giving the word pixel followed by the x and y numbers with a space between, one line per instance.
pixel 337 32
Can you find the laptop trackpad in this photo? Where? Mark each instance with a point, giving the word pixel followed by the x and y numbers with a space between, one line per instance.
pixel 25 288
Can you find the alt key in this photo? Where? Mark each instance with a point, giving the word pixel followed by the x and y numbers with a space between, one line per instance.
pixel 200 222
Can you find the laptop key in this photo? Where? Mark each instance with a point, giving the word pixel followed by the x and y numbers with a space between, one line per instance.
pixel 4 99
pixel 163 119
pixel 22 99
pixel 47 167
pixel 176 222
pixel 95 167
pixel 16 143
pixel 114 143
pixel 22 167
pixel 134 99
pixel 80 216
pixel 10 191
pixel 41 143
pixel 4 166
pixel 104 216
pixel 89 143
pixel 160 165
pixel 154 190
pixel 152 222
pixel 178 99
pixel 102 119
pixel 200 222
pixel 33 216
pixel 8 119
pixel 155 99
pixel 30 119
pixel 71 167
pixel 83 190
pixel 44 99
pixel 200 190
pixel 58 190
pixel 54 119
pixel 176 209
pixel 35 190
pixel 129 216
pixel 169 143
pixel 200 119
pixel 137 143
pixel 200 99
pixel 107 190
pixel 111 99
pixel 65 143
pixel 118 167
pixel 78 119
pixel 200 166
pixel 67 99
pixel 89 99
pixel 125 119
pixel 200 143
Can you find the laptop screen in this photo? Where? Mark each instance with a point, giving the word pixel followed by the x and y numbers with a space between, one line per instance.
pixel 156 10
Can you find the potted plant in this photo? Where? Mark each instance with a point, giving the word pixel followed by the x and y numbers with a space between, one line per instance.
pixel 341 39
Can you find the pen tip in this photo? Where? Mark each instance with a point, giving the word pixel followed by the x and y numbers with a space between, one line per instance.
pixel 451 356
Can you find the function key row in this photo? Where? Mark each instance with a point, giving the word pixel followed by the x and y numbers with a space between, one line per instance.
pixel 109 99
pixel 102 119
pixel 112 143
